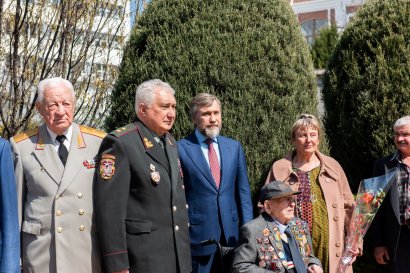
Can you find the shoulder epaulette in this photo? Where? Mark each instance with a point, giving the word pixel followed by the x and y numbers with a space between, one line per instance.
pixel 123 130
pixel 25 135
pixel 92 131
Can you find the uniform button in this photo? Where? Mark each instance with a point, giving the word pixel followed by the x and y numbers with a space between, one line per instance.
pixel 176 228
pixel 42 170
pixel 174 208
pixel 338 244
pixel 334 205
pixel 59 229
pixel 186 206
pixel 80 195
pixel 336 218
pixel 58 196
pixel 82 228
pixel 338 254
pixel 188 224
pixel 327 180
pixel 183 187
pixel 58 212
pixel 81 212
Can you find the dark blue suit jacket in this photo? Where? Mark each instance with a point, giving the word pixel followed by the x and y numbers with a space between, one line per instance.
pixel 212 210
pixel 9 226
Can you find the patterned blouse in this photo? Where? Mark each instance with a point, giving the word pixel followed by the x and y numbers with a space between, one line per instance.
pixel 311 207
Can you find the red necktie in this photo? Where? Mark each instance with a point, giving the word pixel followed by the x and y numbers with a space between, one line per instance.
pixel 213 162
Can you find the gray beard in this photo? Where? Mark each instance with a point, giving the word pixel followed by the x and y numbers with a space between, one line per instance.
pixel 212 133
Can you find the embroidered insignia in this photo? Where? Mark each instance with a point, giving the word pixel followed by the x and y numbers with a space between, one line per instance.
pixel 266 232
pixel 148 143
pixel 90 163
pixel 107 166
pixel 40 143
pixel 155 177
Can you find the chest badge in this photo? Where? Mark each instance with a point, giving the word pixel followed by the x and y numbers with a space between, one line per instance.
pixel 155 177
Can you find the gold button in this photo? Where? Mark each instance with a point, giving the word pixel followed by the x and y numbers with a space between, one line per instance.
pixel 174 208
pixel 80 195
pixel 57 196
pixel 82 227
pixel 338 244
pixel 186 206
pixel 59 229
pixel 81 212
pixel 58 212
pixel 336 218
pixel 334 205
pixel 176 228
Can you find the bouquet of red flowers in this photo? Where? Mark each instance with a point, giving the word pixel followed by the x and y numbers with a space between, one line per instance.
pixel 369 198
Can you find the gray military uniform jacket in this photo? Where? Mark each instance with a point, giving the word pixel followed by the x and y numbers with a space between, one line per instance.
pixel 260 248
pixel 55 203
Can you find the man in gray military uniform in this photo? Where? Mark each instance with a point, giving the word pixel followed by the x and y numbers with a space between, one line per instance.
pixel 54 167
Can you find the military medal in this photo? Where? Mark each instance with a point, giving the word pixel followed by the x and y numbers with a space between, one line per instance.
pixel 281 255
pixel 155 177
pixel 107 166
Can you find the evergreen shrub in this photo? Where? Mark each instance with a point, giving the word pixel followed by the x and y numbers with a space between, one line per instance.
pixel 323 46
pixel 366 86
pixel 251 54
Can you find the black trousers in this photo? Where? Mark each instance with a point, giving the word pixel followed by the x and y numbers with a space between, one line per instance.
pixel 402 262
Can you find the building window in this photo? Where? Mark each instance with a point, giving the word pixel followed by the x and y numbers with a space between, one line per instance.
pixel 311 29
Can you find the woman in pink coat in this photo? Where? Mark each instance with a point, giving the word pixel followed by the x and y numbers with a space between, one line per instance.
pixel 326 202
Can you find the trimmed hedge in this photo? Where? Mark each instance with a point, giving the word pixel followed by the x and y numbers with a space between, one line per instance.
pixel 251 54
pixel 366 86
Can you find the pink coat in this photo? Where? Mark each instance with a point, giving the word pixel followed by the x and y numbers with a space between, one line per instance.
pixel 338 197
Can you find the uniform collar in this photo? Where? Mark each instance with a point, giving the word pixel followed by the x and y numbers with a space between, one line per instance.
pixel 68 134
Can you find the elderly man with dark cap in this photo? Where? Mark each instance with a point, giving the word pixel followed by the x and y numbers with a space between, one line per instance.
pixel 276 241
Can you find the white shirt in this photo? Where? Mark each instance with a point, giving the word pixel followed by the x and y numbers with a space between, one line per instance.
pixel 68 134
pixel 204 146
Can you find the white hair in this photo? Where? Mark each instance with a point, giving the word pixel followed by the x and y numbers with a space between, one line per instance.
pixel 52 82
pixel 403 121
pixel 145 92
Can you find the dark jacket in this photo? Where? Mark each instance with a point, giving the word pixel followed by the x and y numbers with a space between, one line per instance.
pixel 140 204
pixel 385 229
pixel 260 247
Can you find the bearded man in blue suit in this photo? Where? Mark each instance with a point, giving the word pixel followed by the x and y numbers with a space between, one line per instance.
pixel 216 183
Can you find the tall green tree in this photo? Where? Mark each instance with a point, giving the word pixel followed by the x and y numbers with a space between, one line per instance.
pixel 366 86
pixel 323 46
pixel 251 54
